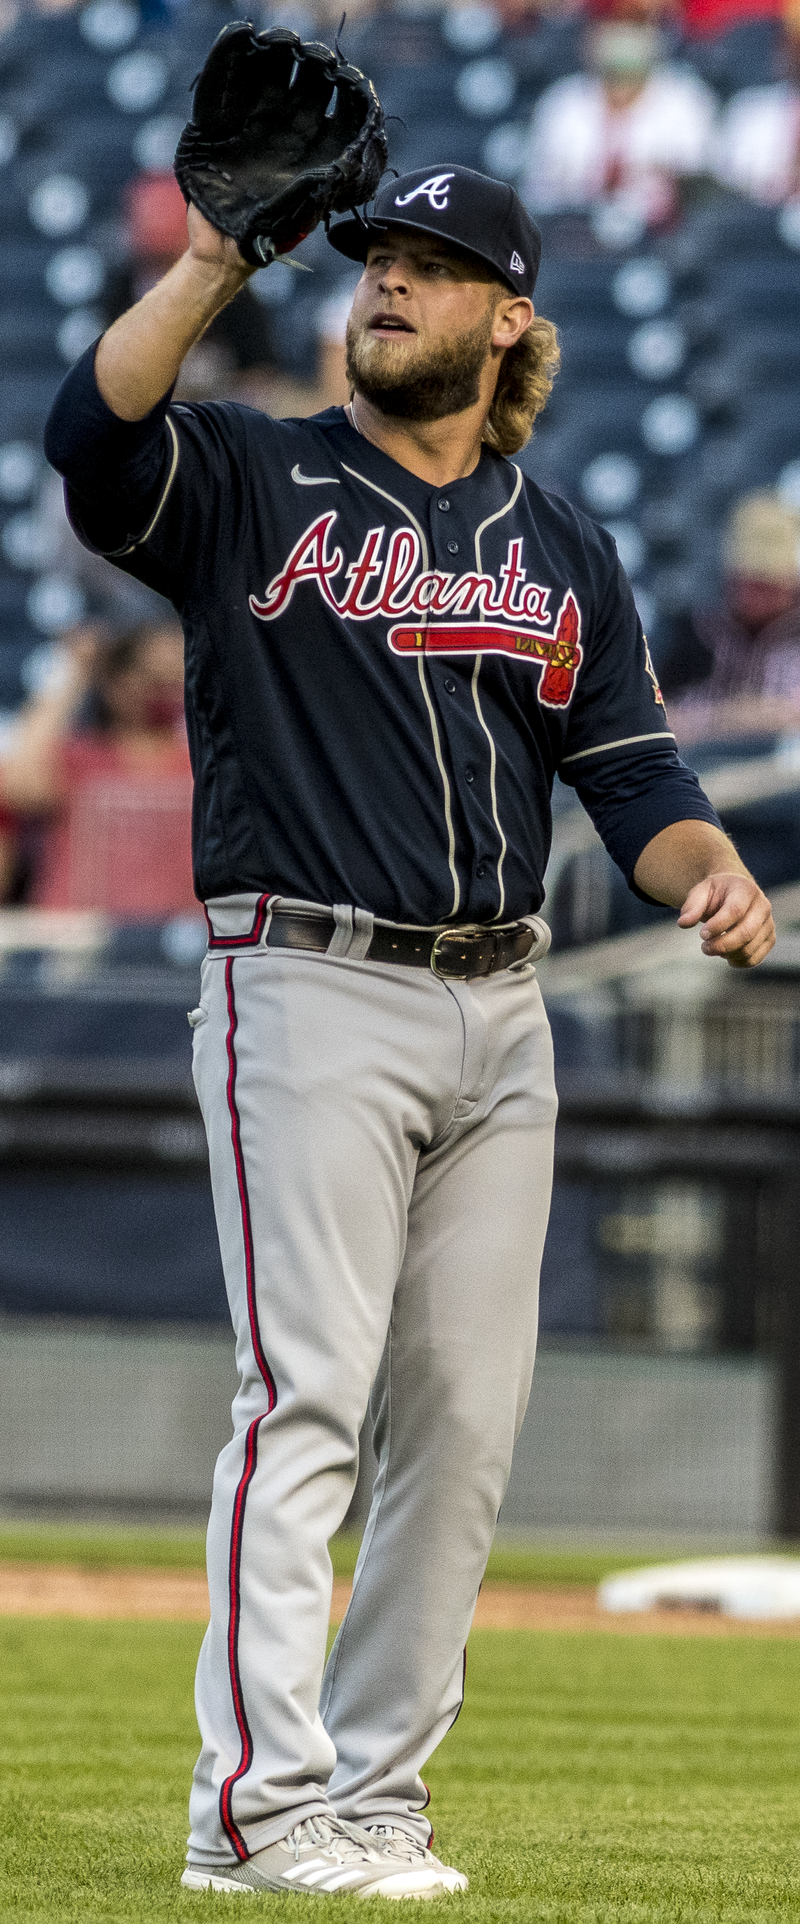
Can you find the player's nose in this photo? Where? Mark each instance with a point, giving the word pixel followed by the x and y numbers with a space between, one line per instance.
pixel 395 277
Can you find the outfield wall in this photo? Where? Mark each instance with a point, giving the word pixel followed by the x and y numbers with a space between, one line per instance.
pixel 130 1417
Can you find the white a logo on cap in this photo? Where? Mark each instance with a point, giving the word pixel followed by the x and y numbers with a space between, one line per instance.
pixel 516 265
pixel 436 190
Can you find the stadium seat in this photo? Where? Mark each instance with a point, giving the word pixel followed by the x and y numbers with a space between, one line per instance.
pixel 26 401
pixel 729 387
pixel 99 149
pixel 27 337
pixel 734 462
pixel 548 48
pixel 616 421
pixel 744 292
pixel 430 140
pixel 614 352
pixel 728 228
pixel 604 288
pixel 17 640
pixel 748 55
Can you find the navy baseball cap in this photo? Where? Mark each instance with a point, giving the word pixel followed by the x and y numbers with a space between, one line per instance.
pixel 479 215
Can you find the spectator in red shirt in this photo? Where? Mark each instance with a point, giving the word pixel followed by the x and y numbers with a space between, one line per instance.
pixel 100 756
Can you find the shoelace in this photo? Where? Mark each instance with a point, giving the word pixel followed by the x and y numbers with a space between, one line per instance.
pixel 317 1833
pixel 397 1843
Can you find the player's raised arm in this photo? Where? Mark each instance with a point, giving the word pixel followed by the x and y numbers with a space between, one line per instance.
pixel 140 357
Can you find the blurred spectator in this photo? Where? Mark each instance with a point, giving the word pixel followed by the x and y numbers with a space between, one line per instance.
pixel 627 131
pixel 758 148
pixel 100 758
pixel 734 669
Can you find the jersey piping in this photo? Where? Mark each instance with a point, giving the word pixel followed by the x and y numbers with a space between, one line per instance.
pixel 115 554
pixel 492 786
pixel 437 746
pixel 625 741
pixel 497 516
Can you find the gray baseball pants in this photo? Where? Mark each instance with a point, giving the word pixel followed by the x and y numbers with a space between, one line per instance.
pixel 381 1155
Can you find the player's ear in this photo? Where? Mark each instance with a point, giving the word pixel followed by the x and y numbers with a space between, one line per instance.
pixel 512 316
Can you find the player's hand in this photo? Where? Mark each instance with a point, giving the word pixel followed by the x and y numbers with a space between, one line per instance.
pixel 736 918
pixel 213 249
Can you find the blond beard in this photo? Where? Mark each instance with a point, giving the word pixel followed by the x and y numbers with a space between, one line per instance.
pixel 425 386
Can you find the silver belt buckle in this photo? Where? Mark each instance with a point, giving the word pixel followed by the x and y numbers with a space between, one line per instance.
pixel 449 936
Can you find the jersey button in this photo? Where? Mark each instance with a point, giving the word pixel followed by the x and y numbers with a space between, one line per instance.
pixel 444 505
pixel 469 774
pixel 450 685
pixel 481 870
pixel 452 547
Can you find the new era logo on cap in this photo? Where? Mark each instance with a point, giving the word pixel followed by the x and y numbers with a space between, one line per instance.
pixel 476 214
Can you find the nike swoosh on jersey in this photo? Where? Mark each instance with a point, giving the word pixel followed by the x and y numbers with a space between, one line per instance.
pixel 313 480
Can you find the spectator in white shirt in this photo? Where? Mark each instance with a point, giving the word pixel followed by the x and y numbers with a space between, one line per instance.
pixel 628 130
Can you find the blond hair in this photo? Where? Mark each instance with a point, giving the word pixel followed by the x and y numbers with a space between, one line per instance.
pixel 527 372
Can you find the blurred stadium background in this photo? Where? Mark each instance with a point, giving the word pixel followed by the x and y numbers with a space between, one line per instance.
pixel 666 1396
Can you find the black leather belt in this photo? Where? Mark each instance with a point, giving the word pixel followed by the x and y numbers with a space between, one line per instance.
pixel 456 952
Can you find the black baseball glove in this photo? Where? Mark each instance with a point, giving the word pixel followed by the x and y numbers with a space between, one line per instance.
pixel 283 133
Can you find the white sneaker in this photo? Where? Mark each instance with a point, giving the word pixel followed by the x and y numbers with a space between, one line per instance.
pixel 397 1843
pixel 324 1854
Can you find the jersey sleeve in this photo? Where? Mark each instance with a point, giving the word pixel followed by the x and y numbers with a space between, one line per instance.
pixel 163 498
pixel 619 753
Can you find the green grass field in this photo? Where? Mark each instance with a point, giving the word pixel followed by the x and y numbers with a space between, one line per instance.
pixel 110 1547
pixel 589 1777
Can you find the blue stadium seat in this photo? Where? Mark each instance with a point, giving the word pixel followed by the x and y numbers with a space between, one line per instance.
pixel 98 148
pixel 744 292
pixel 729 387
pixel 610 421
pixel 25 403
pixel 603 289
pixel 732 463
pixel 576 291
pixel 617 352
pixel 23 261
pixel 748 55
pixel 430 142
pixel 27 338
pixel 728 228
pixel 549 51
pixel 17 639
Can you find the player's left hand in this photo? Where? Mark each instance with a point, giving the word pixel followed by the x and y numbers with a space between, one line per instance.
pixel 736 918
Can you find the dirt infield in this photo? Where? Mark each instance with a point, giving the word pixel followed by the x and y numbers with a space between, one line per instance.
pixel 62 1590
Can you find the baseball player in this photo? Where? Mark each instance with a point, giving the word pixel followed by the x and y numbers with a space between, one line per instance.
pixel 394 640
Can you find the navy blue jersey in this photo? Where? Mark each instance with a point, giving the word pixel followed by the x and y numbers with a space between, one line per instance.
pixel 382 677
